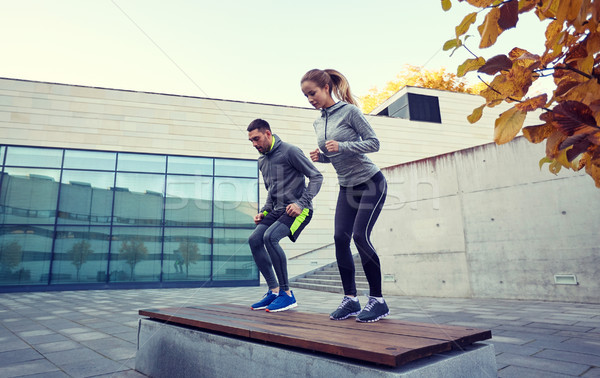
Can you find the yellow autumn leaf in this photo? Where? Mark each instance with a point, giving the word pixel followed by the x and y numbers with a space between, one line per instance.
pixel 446 5
pixel 452 44
pixel 544 160
pixel 508 125
pixel 469 65
pixel 489 29
pixel 466 23
pixel 476 115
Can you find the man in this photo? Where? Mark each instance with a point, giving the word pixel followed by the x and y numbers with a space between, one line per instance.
pixel 288 209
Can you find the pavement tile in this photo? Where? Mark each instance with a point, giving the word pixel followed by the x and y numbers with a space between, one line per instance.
pixel 523 372
pixel 58 346
pixel 53 374
pixel 44 339
pixel 579 358
pixel 88 336
pixel 17 356
pixel 568 368
pixel 41 366
pixel 592 373
pixel 92 368
pixel 81 354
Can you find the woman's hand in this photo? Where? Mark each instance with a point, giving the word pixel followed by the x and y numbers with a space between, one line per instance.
pixel 314 155
pixel 332 146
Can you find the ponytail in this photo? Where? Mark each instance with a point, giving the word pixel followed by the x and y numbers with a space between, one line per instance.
pixel 338 84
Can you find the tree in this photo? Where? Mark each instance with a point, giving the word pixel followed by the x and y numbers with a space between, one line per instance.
pixel 10 256
pixel 133 251
pixel 417 76
pixel 79 254
pixel 189 251
pixel 570 117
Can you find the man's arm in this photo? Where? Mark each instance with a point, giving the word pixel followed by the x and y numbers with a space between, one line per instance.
pixel 306 167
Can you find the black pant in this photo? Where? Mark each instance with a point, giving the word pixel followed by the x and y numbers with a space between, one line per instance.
pixel 356 212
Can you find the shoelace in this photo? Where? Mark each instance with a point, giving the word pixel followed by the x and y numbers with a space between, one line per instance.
pixel 372 302
pixel 344 301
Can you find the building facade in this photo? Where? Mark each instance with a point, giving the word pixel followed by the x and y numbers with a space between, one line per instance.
pixel 104 188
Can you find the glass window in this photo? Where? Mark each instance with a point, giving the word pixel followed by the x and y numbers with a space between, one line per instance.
pixel 86 198
pixel 34 157
pixel 139 199
pixel 189 201
pixel 29 196
pixel 135 254
pixel 190 165
pixel 187 254
pixel 25 254
pixel 232 258
pixel 90 160
pixel 236 202
pixel 80 255
pixel 232 167
pixel 142 163
pixel 2 148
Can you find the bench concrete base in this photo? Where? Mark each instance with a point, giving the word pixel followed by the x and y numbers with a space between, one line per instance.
pixel 166 350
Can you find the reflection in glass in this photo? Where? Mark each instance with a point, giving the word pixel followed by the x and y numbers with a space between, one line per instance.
pixel 190 165
pixel 135 254
pixel 189 201
pixel 186 254
pixel 139 199
pixel 142 163
pixel 233 167
pixel 29 196
pixel 86 198
pixel 90 160
pixel 25 255
pixel 80 254
pixel 232 258
pixel 236 202
pixel 34 157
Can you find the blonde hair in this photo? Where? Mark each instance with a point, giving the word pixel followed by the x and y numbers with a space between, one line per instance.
pixel 338 84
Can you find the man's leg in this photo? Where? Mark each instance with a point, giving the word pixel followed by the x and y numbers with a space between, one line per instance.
pixel 261 257
pixel 272 236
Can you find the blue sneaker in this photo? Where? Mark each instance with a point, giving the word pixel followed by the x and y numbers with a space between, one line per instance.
pixel 265 301
pixel 282 302
pixel 373 311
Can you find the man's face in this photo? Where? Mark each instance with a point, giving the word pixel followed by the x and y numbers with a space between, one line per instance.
pixel 261 140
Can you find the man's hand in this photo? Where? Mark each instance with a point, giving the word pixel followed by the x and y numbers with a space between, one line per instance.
pixel 314 155
pixel 258 217
pixel 293 210
pixel 332 146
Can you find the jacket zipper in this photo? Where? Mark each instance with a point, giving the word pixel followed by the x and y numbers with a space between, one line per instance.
pixel 326 118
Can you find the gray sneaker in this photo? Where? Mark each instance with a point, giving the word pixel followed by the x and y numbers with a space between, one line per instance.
pixel 373 311
pixel 348 308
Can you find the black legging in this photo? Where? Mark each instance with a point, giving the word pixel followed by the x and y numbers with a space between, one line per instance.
pixel 356 212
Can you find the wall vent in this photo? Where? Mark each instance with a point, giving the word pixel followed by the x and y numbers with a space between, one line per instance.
pixel 565 279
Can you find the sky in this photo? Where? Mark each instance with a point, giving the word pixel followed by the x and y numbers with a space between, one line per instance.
pixel 255 51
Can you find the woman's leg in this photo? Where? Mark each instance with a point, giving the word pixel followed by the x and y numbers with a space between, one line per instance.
pixel 261 257
pixel 345 212
pixel 371 203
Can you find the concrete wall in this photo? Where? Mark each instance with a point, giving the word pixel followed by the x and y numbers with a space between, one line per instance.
pixel 486 222
pixel 58 115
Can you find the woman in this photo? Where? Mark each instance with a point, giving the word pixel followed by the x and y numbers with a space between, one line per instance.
pixel 344 137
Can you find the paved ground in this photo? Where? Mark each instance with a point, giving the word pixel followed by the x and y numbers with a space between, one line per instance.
pixel 93 333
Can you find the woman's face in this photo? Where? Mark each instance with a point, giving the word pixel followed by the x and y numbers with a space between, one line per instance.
pixel 317 97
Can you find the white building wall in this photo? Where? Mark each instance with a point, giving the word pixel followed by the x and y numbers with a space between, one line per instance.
pixel 57 115
pixel 487 222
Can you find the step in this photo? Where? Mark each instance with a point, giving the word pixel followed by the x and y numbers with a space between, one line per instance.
pixel 361 290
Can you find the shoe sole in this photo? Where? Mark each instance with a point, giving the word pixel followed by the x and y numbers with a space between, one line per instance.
pixel 284 308
pixel 258 308
pixel 345 317
pixel 373 320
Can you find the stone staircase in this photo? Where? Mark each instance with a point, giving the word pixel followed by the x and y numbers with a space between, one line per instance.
pixel 327 278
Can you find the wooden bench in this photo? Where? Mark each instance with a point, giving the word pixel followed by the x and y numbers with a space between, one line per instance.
pixel 389 342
